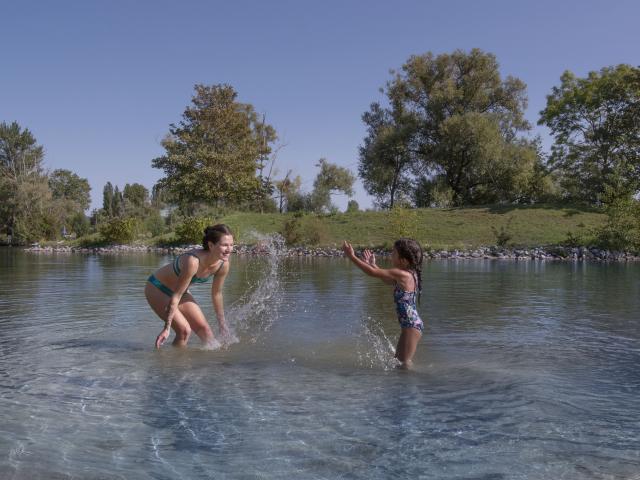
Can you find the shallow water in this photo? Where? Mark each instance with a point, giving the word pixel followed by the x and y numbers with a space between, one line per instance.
pixel 527 371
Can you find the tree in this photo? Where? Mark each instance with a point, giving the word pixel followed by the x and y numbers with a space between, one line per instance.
pixel 294 199
pixel 118 203
pixel 385 158
pixel 283 188
pixel 352 207
pixel 79 224
pixel 158 196
pixel 331 179
pixel 65 184
pixel 107 200
pixel 213 154
pixel 459 122
pixel 596 125
pixel 135 195
pixel 24 192
pixel 267 158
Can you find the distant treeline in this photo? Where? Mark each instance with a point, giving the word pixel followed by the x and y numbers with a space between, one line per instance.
pixel 451 133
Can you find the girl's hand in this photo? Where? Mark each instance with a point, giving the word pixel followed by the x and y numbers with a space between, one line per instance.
pixel 369 257
pixel 164 334
pixel 348 249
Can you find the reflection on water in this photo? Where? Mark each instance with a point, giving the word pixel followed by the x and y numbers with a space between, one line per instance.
pixel 527 370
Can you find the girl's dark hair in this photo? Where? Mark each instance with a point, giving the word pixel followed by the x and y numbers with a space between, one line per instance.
pixel 411 251
pixel 214 233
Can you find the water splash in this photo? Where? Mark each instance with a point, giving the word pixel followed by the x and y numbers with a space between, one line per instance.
pixel 374 348
pixel 257 310
pixel 215 344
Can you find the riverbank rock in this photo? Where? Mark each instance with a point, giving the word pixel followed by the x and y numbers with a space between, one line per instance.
pixel 554 252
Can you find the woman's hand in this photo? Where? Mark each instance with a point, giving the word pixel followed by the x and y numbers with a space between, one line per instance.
pixel 224 331
pixel 160 339
pixel 171 310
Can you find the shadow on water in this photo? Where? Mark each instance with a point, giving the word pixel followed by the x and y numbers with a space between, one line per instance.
pixel 96 344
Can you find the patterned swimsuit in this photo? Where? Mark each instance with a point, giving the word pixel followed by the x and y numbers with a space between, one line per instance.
pixel 406 308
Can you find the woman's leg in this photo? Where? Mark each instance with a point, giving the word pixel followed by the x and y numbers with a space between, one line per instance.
pixel 197 321
pixel 158 302
pixel 407 345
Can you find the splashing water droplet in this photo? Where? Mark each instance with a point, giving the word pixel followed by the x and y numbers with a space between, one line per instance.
pixel 374 348
pixel 255 312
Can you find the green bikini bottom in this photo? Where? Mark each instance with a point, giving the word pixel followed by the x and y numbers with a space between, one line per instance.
pixel 160 286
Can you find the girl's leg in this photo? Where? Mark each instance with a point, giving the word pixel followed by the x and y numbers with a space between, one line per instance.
pixel 197 321
pixel 158 302
pixel 407 345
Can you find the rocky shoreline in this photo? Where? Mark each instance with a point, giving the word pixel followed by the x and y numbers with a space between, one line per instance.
pixel 559 253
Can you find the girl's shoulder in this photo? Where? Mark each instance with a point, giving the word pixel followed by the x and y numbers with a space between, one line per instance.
pixel 406 279
pixel 401 274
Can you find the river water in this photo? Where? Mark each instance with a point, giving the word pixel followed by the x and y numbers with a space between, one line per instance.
pixel 527 370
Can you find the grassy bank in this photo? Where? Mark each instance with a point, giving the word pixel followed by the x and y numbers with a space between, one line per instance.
pixel 455 228
pixel 525 226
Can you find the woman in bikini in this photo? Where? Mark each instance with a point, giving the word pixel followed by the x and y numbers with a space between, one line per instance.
pixel 168 295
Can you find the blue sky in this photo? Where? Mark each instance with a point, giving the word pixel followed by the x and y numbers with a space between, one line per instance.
pixel 99 82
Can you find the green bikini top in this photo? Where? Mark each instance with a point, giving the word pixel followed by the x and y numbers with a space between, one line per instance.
pixel 194 279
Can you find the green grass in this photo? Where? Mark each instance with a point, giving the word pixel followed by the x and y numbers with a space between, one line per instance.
pixel 461 228
pixel 527 226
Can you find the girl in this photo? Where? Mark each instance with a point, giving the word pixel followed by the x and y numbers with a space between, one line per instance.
pixel 168 295
pixel 406 276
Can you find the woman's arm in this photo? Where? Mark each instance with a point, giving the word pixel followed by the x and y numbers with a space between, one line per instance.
pixel 216 297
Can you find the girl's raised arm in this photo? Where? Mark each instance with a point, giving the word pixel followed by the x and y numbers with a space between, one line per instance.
pixel 386 275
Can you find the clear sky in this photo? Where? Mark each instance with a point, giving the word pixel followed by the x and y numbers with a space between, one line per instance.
pixel 99 82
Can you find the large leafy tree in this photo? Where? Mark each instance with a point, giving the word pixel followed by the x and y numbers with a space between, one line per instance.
pixel 385 158
pixel 66 185
pixel 213 155
pixel 136 196
pixel 70 198
pixel 331 179
pixel 24 192
pixel 459 126
pixel 596 125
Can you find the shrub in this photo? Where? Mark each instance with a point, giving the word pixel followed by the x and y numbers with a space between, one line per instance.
pixel 292 230
pixel 580 238
pixel 403 222
pixel 118 230
pixel 80 224
pixel 622 230
pixel 316 232
pixel 155 224
pixel 503 236
pixel 191 230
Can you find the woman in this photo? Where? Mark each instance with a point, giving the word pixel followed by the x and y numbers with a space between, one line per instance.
pixel 167 289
